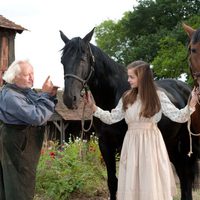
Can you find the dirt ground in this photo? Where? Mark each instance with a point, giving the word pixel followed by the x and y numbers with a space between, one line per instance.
pixel 90 198
pixel 103 195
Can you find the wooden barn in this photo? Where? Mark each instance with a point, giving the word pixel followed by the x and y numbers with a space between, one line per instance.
pixel 8 30
pixel 65 122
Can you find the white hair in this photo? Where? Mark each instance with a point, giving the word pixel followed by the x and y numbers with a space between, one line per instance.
pixel 13 70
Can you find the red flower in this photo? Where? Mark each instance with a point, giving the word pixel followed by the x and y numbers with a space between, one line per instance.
pixel 52 154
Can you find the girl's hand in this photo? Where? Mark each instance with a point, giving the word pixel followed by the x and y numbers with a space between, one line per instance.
pixel 89 100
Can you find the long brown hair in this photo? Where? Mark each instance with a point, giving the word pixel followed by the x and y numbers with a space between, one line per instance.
pixel 146 90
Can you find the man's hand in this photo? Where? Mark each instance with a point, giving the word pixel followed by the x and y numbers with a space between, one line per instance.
pixel 49 87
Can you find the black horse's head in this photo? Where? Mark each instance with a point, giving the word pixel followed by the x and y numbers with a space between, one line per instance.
pixel 194 52
pixel 78 61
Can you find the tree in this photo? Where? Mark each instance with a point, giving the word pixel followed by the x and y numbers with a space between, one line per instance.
pixel 111 37
pixel 147 31
pixel 172 58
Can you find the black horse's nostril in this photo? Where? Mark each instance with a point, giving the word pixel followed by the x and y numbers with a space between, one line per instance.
pixel 74 99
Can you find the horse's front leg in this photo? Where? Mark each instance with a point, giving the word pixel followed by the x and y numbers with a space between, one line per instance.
pixel 108 152
pixel 185 172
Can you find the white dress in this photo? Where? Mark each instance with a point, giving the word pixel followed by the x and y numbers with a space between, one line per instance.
pixel 145 171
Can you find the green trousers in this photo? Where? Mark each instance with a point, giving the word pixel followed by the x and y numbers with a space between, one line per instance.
pixel 20 148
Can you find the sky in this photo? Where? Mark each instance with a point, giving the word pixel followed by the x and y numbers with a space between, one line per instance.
pixel 41 44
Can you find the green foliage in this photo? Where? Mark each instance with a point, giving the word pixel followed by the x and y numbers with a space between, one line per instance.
pixel 170 59
pixel 112 39
pixel 74 167
pixel 152 31
pixel 193 21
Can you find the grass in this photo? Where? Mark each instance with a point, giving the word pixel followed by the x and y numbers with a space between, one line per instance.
pixel 75 171
pixel 195 194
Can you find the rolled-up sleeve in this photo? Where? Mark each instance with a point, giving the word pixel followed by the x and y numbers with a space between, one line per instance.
pixel 31 109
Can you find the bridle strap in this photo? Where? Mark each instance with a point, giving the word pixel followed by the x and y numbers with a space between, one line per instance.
pixel 194 74
pixel 76 77
pixel 93 58
pixel 84 82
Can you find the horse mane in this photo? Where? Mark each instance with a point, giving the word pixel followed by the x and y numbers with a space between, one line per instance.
pixel 108 69
pixel 112 66
pixel 74 43
pixel 110 75
pixel 196 36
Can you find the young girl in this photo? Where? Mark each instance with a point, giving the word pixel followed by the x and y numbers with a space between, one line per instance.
pixel 145 171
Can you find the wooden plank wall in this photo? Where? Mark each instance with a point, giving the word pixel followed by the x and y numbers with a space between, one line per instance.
pixel 7 51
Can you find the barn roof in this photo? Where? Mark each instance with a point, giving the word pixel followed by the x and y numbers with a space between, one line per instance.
pixel 68 114
pixel 7 24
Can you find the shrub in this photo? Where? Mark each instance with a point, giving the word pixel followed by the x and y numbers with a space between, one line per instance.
pixel 73 167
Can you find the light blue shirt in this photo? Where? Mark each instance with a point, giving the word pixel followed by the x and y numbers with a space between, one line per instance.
pixel 25 106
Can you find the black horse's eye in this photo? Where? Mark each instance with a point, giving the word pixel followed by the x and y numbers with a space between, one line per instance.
pixel 193 50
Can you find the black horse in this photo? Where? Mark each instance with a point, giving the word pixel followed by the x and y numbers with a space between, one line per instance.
pixel 87 65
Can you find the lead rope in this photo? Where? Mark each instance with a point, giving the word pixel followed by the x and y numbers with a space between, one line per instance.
pixel 83 130
pixel 83 122
pixel 189 130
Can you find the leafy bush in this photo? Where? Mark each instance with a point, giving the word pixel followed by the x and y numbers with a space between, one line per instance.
pixel 73 167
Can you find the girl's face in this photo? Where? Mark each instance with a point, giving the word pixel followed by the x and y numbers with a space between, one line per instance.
pixel 132 78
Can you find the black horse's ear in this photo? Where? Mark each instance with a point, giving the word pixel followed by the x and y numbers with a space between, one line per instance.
pixel 88 37
pixel 64 37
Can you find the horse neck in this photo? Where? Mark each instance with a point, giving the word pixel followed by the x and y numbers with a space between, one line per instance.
pixel 109 84
pixel 195 120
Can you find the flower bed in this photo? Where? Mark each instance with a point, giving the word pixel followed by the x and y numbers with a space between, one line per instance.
pixel 71 168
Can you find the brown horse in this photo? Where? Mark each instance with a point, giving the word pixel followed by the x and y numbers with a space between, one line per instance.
pixel 194 64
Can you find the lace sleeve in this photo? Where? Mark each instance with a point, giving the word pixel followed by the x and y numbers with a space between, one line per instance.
pixel 112 117
pixel 172 112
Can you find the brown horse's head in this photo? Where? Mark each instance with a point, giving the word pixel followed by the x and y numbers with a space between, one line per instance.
pixel 194 52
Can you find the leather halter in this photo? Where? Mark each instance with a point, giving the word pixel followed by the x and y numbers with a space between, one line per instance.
pixel 195 75
pixel 84 81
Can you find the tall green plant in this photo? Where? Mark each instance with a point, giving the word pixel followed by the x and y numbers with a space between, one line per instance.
pixel 74 167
